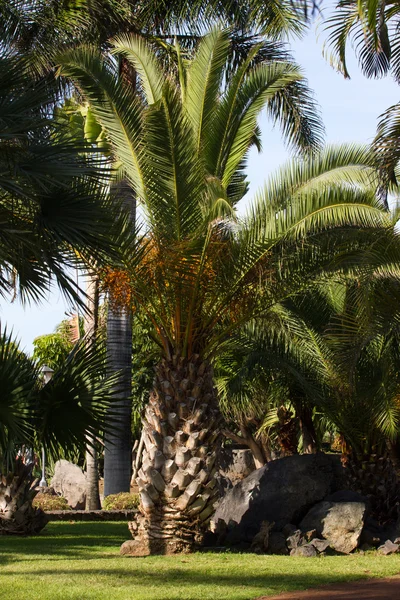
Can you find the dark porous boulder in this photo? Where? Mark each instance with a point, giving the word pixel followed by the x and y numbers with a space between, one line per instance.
pixel 346 496
pixel 340 523
pixel 281 492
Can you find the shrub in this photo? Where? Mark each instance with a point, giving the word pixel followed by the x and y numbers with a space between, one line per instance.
pixel 121 501
pixel 47 502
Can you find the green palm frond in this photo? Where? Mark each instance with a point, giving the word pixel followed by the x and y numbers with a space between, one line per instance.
pixel 203 82
pixel 140 56
pixel 114 104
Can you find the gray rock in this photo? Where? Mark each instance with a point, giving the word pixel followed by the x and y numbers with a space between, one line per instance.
pixel 295 540
pixel 235 464
pixel 388 548
pixel 320 545
pixel 69 481
pixel 282 491
pixel 308 551
pixel 340 523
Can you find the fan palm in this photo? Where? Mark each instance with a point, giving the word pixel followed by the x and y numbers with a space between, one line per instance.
pixel 55 209
pixel 33 415
pixel 199 271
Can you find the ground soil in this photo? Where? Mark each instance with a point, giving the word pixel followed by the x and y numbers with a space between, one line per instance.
pixel 370 589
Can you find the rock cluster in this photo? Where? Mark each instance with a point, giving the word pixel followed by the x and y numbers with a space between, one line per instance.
pixel 297 505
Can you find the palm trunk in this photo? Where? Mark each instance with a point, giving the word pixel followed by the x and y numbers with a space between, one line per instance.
pixel 118 447
pixel 92 469
pixel 17 515
pixel 375 477
pixel 177 482
pixel 307 429
pixel 287 432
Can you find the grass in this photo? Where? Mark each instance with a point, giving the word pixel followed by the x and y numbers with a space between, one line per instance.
pixel 80 561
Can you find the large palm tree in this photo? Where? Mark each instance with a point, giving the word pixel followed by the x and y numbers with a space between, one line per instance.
pixel 40 28
pixel 199 271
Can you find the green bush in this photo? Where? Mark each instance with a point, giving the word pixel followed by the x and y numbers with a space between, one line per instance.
pixel 48 502
pixel 121 501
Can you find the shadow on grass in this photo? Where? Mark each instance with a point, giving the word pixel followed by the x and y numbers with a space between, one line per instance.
pixel 80 541
pixel 143 577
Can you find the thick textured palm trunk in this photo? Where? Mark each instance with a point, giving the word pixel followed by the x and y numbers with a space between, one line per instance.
pixel 118 447
pixel 375 477
pixel 17 515
pixel 177 482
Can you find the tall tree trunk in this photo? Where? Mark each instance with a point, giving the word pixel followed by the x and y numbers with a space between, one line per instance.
pixel 248 440
pixel 91 329
pixel 118 448
pixel 307 429
pixel 17 490
pixel 177 482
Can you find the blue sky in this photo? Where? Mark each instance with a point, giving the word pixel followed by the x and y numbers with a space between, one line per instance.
pixel 349 108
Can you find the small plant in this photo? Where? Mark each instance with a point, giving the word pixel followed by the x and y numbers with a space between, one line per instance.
pixel 121 501
pixel 49 502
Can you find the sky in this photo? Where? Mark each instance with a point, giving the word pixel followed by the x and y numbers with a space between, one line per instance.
pixel 350 109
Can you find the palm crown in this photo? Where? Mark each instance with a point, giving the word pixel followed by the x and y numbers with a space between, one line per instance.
pixel 183 146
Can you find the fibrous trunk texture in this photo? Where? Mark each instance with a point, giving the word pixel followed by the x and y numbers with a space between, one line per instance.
pixel 178 488
pixel 17 515
pixel 375 477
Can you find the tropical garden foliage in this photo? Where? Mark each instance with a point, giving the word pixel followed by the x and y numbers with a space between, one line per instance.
pixel 268 328
pixel 198 270
pixel 35 415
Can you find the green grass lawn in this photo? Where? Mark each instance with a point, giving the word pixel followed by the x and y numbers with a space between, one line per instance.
pixel 80 561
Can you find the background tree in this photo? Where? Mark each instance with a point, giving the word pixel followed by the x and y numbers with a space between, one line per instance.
pixel 75 401
pixel 52 349
pixel 371 29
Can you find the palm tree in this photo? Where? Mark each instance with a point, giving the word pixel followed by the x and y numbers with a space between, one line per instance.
pixel 363 401
pixel 199 271
pixel 277 365
pixel 41 27
pixel 370 28
pixel 33 415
